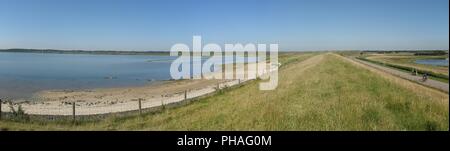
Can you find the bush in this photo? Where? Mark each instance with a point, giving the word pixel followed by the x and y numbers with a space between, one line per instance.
pixel 19 114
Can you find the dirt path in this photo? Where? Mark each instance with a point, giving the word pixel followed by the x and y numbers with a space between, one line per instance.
pixel 430 83
pixel 390 59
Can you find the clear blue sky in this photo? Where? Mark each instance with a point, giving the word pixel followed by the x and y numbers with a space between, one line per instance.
pixel 158 24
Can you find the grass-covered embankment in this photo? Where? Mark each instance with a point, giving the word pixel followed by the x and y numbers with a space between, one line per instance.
pixel 324 92
pixel 409 68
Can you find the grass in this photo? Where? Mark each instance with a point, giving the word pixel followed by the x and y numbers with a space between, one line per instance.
pixel 325 92
pixel 408 61
pixel 408 68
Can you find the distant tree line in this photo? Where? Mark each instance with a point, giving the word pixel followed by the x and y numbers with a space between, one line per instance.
pixel 108 52
pixel 415 52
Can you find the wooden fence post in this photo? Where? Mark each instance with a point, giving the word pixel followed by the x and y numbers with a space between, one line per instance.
pixel 73 111
pixel 185 94
pixel 140 106
pixel 1 109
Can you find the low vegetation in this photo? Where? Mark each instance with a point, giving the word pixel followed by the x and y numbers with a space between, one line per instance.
pixel 92 52
pixel 407 65
pixel 315 92
pixel 409 61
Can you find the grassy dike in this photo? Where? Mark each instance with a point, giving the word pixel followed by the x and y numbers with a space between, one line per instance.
pixel 408 67
pixel 410 61
pixel 322 92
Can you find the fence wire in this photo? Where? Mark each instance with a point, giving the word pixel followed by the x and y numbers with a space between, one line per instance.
pixel 101 108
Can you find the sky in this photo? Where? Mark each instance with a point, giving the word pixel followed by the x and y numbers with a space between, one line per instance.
pixel 156 25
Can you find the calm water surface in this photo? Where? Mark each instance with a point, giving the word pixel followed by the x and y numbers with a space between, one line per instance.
pixel 434 62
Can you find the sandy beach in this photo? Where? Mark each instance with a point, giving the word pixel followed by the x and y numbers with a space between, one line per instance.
pixel 113 100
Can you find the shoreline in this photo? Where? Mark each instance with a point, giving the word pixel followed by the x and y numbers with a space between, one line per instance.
pixel 123 99
pixel 114 100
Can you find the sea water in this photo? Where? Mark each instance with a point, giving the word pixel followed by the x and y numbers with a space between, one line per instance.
pixel 22 74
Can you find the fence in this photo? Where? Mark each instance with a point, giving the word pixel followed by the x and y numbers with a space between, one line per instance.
pixel 74 110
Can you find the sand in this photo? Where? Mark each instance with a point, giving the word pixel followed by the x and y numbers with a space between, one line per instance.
pixel 113 100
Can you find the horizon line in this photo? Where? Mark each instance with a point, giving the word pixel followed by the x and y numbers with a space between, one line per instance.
pixel 279 50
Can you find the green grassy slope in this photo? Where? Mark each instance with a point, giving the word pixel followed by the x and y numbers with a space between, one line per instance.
pixel 327 93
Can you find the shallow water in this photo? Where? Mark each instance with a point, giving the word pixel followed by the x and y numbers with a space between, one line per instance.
pixel 22 74
pixel 434 62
